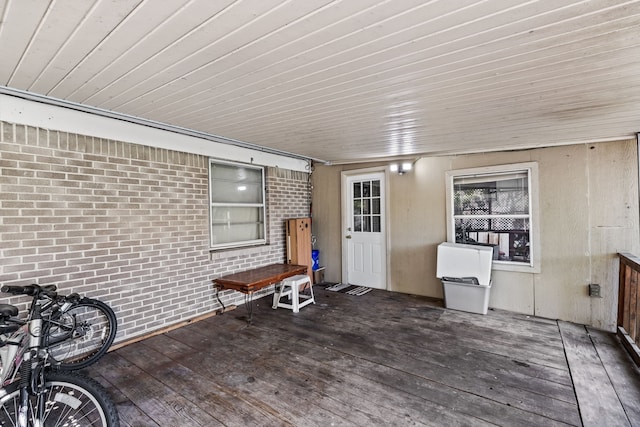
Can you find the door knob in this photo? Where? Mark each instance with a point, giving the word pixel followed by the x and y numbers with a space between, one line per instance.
pixel 349 236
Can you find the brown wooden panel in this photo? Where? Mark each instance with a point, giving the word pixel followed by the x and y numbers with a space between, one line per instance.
pixel 629 303
pixel 625 298
pixel 299 243
pixel 632 304
pixel 621 283
pixel 630 260
pixel 629 345
pixel 636 309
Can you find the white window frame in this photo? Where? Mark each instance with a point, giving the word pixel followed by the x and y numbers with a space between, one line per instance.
pixel 212 204
pixel 531 169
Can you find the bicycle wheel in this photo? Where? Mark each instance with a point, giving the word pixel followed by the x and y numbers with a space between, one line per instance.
pixel 69 400
pixel 81 335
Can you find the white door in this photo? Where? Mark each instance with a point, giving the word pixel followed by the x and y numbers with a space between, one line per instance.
pixel 364 230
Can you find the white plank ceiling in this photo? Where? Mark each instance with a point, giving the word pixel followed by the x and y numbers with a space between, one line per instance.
pixel 341 80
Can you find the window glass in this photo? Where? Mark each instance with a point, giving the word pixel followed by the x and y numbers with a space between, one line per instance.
pixel 375 224
pixel 357 207
pixel 237 209
pixel 366 203
pixel 357 223
pixel 236 185
pixel 375 188
pixel 494 209
pixel 366 224
pixel 356 189
pixel 375 206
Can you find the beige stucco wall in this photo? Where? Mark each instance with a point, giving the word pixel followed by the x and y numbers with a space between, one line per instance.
pixel 588 197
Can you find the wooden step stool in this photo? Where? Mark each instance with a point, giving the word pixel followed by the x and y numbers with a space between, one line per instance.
pixel 290 287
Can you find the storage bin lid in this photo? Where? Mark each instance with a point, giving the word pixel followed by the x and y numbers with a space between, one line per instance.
pixel 460 260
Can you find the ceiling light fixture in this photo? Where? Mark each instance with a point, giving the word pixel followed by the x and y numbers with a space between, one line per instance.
pixel 401 168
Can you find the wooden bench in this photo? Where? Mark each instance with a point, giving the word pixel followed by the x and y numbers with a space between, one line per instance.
pixel 251 281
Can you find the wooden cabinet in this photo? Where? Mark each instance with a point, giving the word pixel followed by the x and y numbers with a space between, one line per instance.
pixel 299 243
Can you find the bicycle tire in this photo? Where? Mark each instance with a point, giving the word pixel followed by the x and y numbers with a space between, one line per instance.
pixel 81 335
pixel 71 399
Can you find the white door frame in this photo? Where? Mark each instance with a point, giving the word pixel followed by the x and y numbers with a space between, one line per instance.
pixel 344 222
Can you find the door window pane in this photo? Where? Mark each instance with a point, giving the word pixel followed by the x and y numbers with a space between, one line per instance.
pixel 375 188
pixel 357 189
pixel 366 206
pixel 375 223
pixel 366 189
pixel 357 223
pixel 375 206
pixel 366 223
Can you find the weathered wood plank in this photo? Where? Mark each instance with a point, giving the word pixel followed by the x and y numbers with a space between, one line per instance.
pixel 470 354
pixel 445 346
pixel 297 380
pixel 331 388
pixel 537 349
pixel 130 414
pixel 258 371
pixel 599 404
pixel 621 370
pixel 154 399
pixel 326 362
pixel 354 337
pixel 379 359
pixel 217 400
pixel 365 344
pixel 414 324
pixel 221 364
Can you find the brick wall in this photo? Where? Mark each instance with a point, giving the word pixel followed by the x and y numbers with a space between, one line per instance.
pixel 124 223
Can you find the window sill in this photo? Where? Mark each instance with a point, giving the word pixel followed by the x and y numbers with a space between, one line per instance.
pixel 243 251
pixel 515 267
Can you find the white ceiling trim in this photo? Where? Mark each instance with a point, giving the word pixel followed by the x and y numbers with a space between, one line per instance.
pixel 46 113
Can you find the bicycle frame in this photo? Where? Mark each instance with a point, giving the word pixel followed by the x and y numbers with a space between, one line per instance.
pixel 22 353
pixel 12 354
pixel 55 306
pixel 76 330
pixel 32 394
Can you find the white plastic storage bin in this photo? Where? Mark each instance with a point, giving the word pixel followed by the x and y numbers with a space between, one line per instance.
pixel 465 272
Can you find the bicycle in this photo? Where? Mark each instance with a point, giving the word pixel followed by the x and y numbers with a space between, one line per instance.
pixel 77 330
pixel 33 395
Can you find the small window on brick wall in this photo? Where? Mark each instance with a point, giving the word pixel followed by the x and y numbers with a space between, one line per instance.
pixel 237 204
pixel 497 206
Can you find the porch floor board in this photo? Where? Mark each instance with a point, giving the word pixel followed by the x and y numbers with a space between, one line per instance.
pixel 379 359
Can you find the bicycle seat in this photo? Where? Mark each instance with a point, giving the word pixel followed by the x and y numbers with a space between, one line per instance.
pixel 50 288
pixel 8 310
pixel 74 297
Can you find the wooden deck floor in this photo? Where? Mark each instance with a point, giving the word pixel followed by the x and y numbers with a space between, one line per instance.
pixel 381 359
